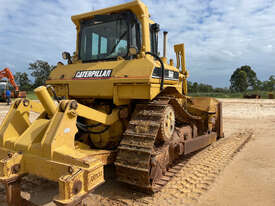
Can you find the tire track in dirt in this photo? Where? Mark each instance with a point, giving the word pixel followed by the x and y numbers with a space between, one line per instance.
pixel 200 171
pixel 197 175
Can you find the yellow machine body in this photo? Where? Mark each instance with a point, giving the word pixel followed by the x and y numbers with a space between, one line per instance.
pixel 130 79
pixel 98 97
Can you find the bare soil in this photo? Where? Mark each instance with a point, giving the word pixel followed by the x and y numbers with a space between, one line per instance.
pixel 223 174
pixel 250 178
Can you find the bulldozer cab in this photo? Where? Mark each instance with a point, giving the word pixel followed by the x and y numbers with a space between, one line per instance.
pixel 107 37
pixel 117 50
pixel 113 31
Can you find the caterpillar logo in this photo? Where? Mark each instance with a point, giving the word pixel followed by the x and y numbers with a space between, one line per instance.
pixel 93 74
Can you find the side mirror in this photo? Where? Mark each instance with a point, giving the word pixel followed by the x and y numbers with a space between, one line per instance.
pixel 67 56
pixel 132 51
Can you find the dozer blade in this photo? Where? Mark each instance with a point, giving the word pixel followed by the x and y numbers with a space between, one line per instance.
pixel 47 148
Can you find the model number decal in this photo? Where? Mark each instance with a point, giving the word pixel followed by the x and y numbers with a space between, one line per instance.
pixel 168 74
pixel 96 176
pixel 93 74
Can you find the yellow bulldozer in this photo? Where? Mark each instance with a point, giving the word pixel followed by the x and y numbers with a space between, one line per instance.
pixel 114 102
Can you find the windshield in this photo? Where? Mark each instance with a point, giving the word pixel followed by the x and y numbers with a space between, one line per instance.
pixel 106 40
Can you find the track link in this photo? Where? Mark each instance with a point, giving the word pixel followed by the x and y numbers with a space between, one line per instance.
pixel 135 150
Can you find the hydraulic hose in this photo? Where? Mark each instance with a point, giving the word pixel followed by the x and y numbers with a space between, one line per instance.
pixel 84 128
pixel 54 93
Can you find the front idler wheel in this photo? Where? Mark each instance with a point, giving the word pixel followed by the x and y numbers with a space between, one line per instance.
pixel 167 125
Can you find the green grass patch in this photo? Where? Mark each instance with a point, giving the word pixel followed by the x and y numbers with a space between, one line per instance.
pixel 216 95
pixel 263 94
pixel 31 95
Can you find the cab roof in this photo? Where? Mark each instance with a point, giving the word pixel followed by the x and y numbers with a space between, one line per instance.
pixel 137 7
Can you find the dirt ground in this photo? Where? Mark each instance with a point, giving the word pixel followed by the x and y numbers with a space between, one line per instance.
pixel 250 178
pixel 217 175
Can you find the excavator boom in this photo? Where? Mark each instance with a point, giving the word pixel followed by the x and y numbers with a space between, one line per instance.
pixel 6 73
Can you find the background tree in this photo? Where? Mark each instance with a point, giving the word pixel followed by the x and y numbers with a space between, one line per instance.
pixel 195 87
pixel 242 78
pixel 251 76
pixel 22 79
pixel 190 87
pixel 268 85
pixel 205 88
pixel 40 71
pixel 272 82
pixel 259 85
pixel 238 80
pixel 221 90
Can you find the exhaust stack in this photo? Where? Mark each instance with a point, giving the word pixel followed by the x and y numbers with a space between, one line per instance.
pixel 164 43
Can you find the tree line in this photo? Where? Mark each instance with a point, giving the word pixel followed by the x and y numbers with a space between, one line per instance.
pixel 242 80
pixel 245 78
pixel 205 88
pixel 40 70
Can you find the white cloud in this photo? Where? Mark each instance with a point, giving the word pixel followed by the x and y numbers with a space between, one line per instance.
pixel 219 36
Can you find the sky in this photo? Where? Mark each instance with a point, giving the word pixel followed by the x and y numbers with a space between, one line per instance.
pixel 219 35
